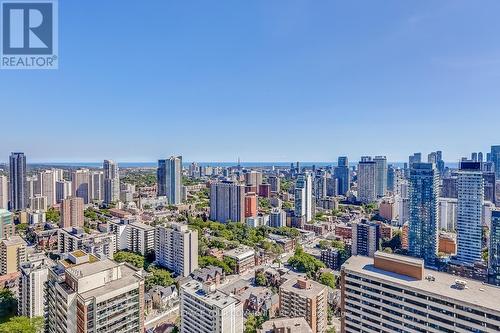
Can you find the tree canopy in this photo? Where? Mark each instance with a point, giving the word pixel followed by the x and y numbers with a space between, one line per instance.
pixel 305 263
pixel 22 325
pixel 132 258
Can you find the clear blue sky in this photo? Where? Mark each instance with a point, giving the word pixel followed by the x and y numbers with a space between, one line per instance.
pixel 266 80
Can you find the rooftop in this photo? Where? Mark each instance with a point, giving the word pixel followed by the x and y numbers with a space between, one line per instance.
pixel 303 286
pixel 14 240
pixel 142 226
pixel 435 283
pixel 215 297
pixel 294 325
pixel 240 253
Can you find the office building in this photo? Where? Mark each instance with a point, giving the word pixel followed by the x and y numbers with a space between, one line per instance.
pixel 342 174
pixel 4 192
pixel 424 215
pixel 63 190
pixel 303 198
pixel 227 202
pixel 72 212
pixel 7 227
pixel 18 186
pixel 169 179
pixel 203 309
pixel 495 158
pixel 80 184
pixel 12 254
pixel 380 176
pixel 101 245
pixel 176 248
pixel 301 297
pixel 490 191
pixel 367 171
pixel 415 158
pixel 494 249
pixel 34 275
pixel 85 294
pixel 392 176
pixel 469 212
pixel 392 293
pixel 365 238
pixel 277 218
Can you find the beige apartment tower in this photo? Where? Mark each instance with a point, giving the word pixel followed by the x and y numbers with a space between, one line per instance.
pixel 305 298
pixel 176 248
pixel 12 254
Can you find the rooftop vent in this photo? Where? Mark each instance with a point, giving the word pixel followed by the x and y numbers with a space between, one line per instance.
pixel 460 284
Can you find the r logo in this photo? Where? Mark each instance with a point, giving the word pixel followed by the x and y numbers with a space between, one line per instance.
pixel 27 28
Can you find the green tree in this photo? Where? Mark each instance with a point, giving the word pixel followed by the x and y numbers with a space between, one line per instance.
pixel 305 263
pixel 253 323
pixel 8 304
pixel 204 261
pixel 485 255
pixel 90 213
pixel 52 215
pixel 132 258
pixel 22 325
pixel 328 279
pixel 260 279
pixel 159 277
pixel 21 227
pixel 338 244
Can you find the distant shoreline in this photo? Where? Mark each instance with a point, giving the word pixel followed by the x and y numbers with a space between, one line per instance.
pixel 212 164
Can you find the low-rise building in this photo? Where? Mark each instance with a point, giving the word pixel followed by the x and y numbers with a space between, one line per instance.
pixel 102 245
pixel 244 258
pixel 447 243
pixel 286 325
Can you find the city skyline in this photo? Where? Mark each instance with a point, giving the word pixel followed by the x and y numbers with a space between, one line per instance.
pixel 348 78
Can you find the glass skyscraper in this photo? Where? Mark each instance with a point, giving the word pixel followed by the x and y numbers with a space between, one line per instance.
pixel 495 158
pixel 18 185
pixel 170 179
pixel 494 250
pixel 343 175
pixel 470 188
pixel 423 217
